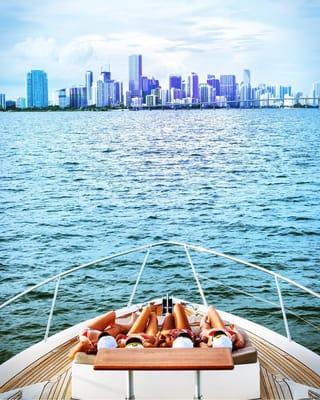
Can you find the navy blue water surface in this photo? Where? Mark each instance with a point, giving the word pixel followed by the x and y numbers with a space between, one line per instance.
pixel 79 186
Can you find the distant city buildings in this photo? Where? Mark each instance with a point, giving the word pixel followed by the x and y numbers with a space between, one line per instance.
pixel 21 103
pixel 37 89
pixel 2 101
pixel 146 91
pixel 193 87
pixel 315 94
pixel 89 82
pixel 78 97
pixel 245 90
pixel 228 87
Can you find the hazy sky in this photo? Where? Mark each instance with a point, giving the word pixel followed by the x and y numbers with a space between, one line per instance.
pixel 278 40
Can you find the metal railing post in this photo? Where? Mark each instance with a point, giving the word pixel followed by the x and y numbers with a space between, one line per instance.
pixel 139 277
pixel 51 310
pixel 282 308
pixel 130 386
pixel 196 277
pixel 197 386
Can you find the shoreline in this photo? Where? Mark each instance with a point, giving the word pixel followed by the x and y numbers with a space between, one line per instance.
pixel 154 108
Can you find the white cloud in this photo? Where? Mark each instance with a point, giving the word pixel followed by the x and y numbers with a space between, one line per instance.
pixel 67 37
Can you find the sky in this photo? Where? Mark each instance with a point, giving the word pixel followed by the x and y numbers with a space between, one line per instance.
pixel 278 40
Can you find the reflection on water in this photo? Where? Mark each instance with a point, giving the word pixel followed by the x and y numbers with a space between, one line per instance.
pixel 79 186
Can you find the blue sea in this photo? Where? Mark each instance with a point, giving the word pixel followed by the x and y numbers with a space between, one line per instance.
pixel 78 186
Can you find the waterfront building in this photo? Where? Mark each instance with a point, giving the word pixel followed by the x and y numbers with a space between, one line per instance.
pixel 89 83
pixel 151 100
pixel 78 97
pixel 221 101
pixel 154 83
pixel 183 88
pixel 37 89
pixel 193 87
pixel 271 90
pixel 135 74
pixel 128 99
pixel 281 91
pixel 175 94
pixel 145 86
pixel 214 83
pixel 136 102
pixel 62 98
pixel 245 90
pixel 228 87
pixel 21 103
pixel 216 86
pixel 107 88
pixel 288 101
pixel 2 101
pixel 99 94
pixel 204 93
pixel 299 99
pixel 164 96
pixel 118 92
pixel 10 105
pixel 315 94
pixel 175 82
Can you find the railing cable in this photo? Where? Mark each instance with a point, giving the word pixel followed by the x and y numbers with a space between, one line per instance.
pixel 51 310
pixel 139 277
pixel 196 277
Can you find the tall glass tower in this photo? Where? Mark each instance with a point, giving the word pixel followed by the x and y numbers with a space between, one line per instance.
pixel 37 89
pixel 175 81
pixel 89 82
pixel 228 87
pixel 193 84
pixel 135 74
pixel 245 90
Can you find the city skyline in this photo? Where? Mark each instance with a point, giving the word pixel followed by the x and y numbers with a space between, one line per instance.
pixel 276 40
pixel 144 91
pixel 136 87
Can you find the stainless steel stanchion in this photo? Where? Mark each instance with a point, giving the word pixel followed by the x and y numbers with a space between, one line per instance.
pixel 197 386
pixel 130 386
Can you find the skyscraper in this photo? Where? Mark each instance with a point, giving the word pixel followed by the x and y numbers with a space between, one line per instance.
pixel 193 84
pixel 37 89
pixel 214 83
pixel 2 101
pixel 245 90
pixel 78 97
pixel 62 98
pixel 105 76
pixel 228 87
pixel 135 74
pixel 175 81
pixel 315 94
pixel 21 102
pixel 118 93
pixel 89 81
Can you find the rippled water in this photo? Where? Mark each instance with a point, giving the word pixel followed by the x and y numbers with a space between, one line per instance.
pixel 79 186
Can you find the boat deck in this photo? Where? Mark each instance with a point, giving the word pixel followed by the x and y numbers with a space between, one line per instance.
pixel 55 367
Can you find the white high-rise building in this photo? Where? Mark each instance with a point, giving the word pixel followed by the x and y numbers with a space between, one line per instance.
pixel 245 90
pixel 316 94
pixel 164 96
pixel 89 82
pixel 21 103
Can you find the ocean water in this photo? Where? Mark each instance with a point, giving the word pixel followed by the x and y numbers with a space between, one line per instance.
pixel 82 185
